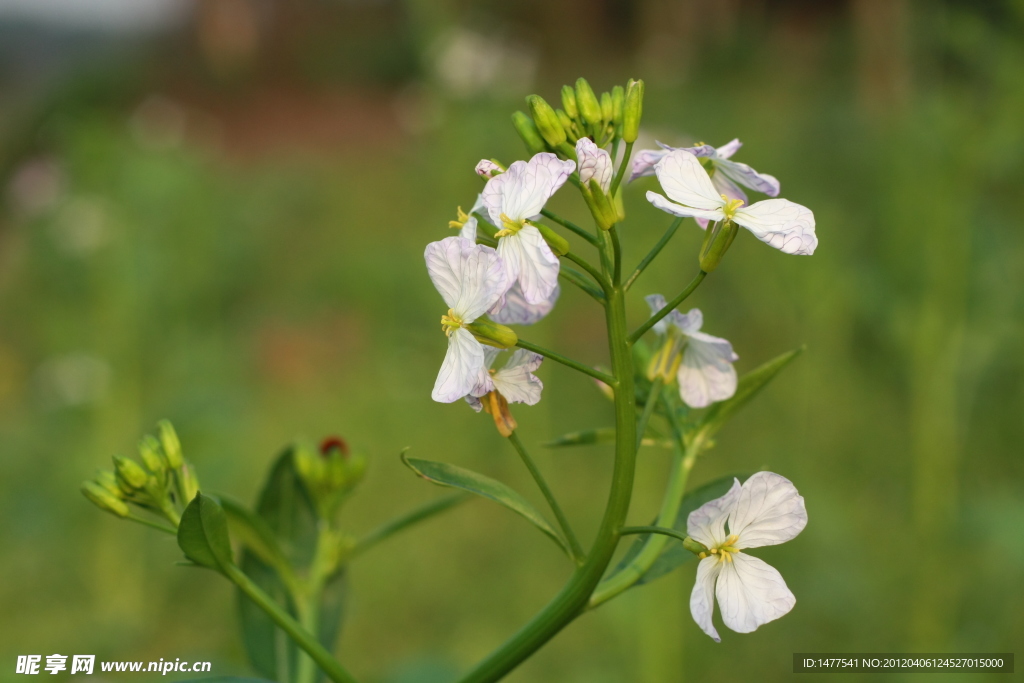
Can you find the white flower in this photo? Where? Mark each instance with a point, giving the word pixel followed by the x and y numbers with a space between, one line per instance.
pixel 515 381
pixel 705 372
pixel 486 168
pixel 512 199
pixel 765 510
pixel 514 309
pixel 780 223
pixel 595 163
pixel 471 278
pixel 728 173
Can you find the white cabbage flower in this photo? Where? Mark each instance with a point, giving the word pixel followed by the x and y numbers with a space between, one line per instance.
pixel 705 372
pixel 470 278
pixel 765 510
pixel 595 163
pixel 514 198
pixel 514 383
pixel 780 223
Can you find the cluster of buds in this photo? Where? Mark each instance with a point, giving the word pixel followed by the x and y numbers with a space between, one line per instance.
pixel 613 116
pixel 331 475
pixel 163 484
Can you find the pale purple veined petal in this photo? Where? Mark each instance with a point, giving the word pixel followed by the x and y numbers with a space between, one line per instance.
pixel 594 163
pixel 468 230
pixel 751 592
pixel 484 382
pixel 516 381
pixel 474 402
pixel 706 374
pixel 461 367
pixel 691 322
pixel 521 191
pixel 768 511
pixel 644 162
pixel 748 177
pixel 782 224
pixel 444 265
pixel 702 598
pixel 707 523
pixel 486 168
pixel 728 149
pixel 516 310
pixel 470 277
pixel 686 182
pixel 695 150
pixel 667 206
pixel 657 302
pixel 728 187
pixel 531 259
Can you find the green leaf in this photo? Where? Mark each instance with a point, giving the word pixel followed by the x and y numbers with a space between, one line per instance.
pixel 604 435
pixel 203 533
pixel 444 474
pixel 749 385
pixel 674 555
pixel 282 530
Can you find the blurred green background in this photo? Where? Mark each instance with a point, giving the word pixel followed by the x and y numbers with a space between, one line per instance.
pixel 216 212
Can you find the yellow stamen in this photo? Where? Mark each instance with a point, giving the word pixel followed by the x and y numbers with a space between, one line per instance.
pixel 731 205
pixel 450 322
pixel 462 217
pixel 510 227
pixel 727 548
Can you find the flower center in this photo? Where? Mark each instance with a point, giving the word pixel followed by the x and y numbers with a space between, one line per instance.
pixel 725 550
pixel 509 226
pixel 450 322
pixel 731 205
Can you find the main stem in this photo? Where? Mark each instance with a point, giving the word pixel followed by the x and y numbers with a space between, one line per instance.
pixel 574 596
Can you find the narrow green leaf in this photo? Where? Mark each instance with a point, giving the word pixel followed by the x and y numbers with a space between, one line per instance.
pixel 203 533
pixel 604 435
pixel 674 555
pixel 444 474
pixel 749 385
pixel 253 532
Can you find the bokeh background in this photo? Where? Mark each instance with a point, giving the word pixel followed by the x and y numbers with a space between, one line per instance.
pixel 215 212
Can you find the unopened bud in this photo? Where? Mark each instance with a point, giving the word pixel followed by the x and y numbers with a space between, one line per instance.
pixel 107 480
pixel 104 499
pixel 607 108
pixel 632 110
pixel 130 475
pixel 567 125
pixel 547 120
pixel 170 443
pixel 493 334
pixel 589 106
pixel 488 168
pixel 569 102
pixel 618 100
pixel 188 483
pixel 527 130
pixel 149 451
pixel 717 240
pixel 601 206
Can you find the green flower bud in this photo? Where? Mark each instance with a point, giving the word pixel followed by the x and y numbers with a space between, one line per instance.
pixel 717 240
pixel 107 480
pixel 618 100
pixel 601 206
pixel 104 499
pixel 528 132
pixel 632 110
pixel 547 121
pixel 493 334
pixel 171 444
pixel 188 483
pixel 130 475
pixel 567 125
pixel 569 102
pixel 590 108
pixel 607 108
pixel 149 451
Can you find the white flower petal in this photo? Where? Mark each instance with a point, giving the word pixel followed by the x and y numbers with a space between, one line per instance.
pixel 780 223
pixel 474 402
pixel 535 265
pixel 522 190
pixel 706 374
pixel 470 277
pixel 727 187
pixel 644 162
pixel 468 231
pixel 686 182
pixel 702 599
pixel 750 593
pixel 728 149
pixel 461 367
pixel 691 323
pixel 748 177
pixel 516 310
pixel 679 210
pixel 768 511
pixel 516 381
pixel 707 523
pixel 594 162
pixel 657 302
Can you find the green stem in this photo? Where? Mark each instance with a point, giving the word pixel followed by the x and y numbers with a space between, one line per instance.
pixel 569 225
pixel 668 307
pixel 622 169
pixel 617 250
pixel 628 530
pixel 577 278
pixel 574 596
pixel 153 525
pixel 542 484
pixel 559 358
pixel 302 638
pixel 645 417
pixel 594 272
pixel 407 520
pixel 654 252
